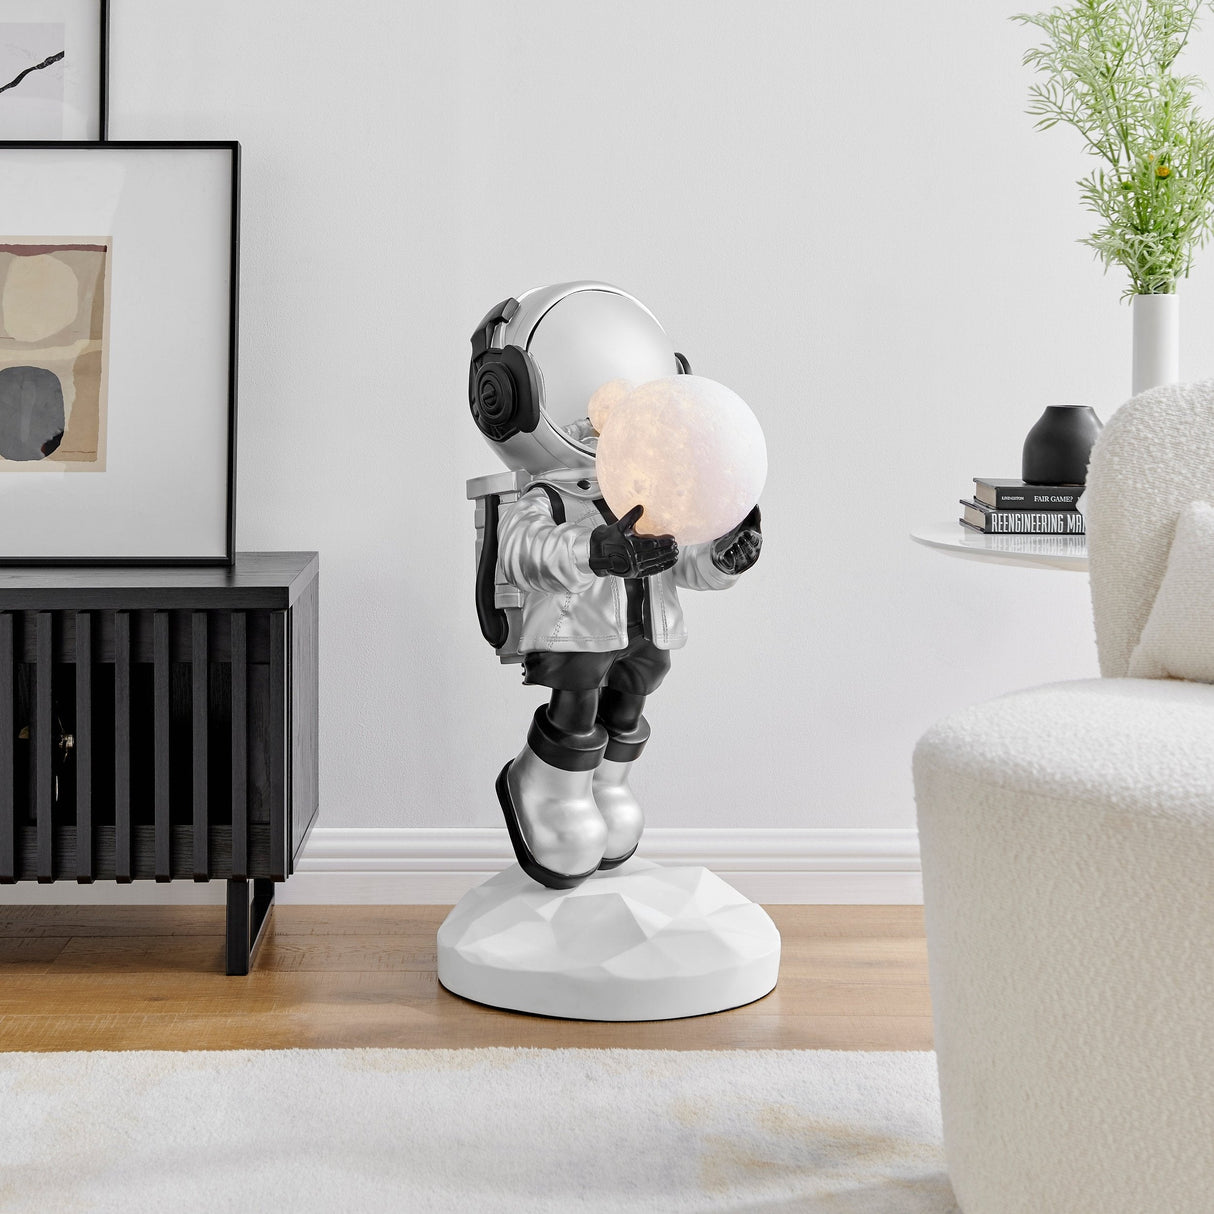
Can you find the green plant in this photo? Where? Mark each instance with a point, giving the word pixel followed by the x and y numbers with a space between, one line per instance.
pixel 1108 72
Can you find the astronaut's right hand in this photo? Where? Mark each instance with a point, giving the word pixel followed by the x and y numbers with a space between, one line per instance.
pixel 616 550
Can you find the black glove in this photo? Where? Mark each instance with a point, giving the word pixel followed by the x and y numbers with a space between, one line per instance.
pixel 616 549
pixel 736 551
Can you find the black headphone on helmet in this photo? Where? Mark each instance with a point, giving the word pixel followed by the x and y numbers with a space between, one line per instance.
pixel 504 385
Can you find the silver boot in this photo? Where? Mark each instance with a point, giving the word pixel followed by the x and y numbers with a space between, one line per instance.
pixel 555 826
pixel 620 811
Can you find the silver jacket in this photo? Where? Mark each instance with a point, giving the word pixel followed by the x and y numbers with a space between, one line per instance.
pixel 568 607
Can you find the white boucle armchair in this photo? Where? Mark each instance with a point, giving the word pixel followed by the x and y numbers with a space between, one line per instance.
pixel 1067 837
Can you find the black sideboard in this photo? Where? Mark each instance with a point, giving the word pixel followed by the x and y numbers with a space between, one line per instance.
pixel 161 724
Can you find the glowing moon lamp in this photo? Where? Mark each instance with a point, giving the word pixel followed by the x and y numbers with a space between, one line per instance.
pixel 686 448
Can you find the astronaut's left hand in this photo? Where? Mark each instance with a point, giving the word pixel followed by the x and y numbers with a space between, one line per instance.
pixel 737 551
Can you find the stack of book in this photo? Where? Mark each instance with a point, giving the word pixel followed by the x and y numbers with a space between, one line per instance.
pixel 1014 508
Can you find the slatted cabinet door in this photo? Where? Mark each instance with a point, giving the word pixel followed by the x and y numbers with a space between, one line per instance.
pixel 83 745
pixel 42 743
pixel 240 747
pixel 124 853
pixel 200 737
pixel 161 724
pixel 8 817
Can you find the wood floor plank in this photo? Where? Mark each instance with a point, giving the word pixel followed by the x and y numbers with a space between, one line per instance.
pixel 150 978
pixel 349 953
pixel 29 954
pixel 359 920
pixel 868 959
pixel 110 920
pixel 850 921
pixel 795 922
pixel 406 1029
pixel 148 956
pixel 329 993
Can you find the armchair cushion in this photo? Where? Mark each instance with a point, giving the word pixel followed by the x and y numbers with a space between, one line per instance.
pixel 1119 744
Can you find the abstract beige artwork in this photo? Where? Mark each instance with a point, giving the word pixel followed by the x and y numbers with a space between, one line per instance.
pixel 54 295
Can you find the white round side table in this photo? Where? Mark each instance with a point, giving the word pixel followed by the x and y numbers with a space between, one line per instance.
pixel 1028 551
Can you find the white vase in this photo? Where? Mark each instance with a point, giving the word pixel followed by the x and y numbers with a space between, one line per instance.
pixel 1156 341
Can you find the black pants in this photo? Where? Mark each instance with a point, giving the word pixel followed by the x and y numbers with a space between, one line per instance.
pixel 597 703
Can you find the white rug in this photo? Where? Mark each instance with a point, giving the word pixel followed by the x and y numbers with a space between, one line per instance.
pixel 471 1131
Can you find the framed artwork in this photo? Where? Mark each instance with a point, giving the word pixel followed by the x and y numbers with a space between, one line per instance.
pixel 53 69
pixel 118 295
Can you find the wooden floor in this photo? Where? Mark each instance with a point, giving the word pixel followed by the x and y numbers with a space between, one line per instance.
pixel 123 978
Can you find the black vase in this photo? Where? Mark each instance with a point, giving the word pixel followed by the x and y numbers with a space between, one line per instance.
pixel 1057 448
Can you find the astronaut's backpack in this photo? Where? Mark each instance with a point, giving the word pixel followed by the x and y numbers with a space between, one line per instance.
pixel 499 605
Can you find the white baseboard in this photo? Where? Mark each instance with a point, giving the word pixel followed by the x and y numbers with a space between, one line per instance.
pixel 437 866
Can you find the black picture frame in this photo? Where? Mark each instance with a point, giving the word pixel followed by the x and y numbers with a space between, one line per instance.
pixel 103 68
pixel 228 556
pixel 101 116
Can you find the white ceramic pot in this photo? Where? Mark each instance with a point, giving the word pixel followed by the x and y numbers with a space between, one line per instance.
pixel 1156 341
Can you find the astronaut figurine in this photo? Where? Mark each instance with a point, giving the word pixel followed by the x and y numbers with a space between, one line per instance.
pixel 590 607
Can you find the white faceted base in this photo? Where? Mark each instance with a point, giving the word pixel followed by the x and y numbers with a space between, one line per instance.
pixel 639 942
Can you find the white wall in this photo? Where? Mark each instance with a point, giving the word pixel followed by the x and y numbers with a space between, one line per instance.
pixel 839 210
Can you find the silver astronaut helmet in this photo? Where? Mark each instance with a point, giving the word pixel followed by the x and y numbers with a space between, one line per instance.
pixel 538 359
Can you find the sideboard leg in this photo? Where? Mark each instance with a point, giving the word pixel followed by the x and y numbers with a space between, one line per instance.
pixel 249 904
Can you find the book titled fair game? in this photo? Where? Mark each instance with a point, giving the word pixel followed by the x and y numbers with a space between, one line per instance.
pixel 1021 522
pixel 1016 495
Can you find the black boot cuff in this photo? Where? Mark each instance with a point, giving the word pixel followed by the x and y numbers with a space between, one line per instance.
pixel 568 751
pixel 624 747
